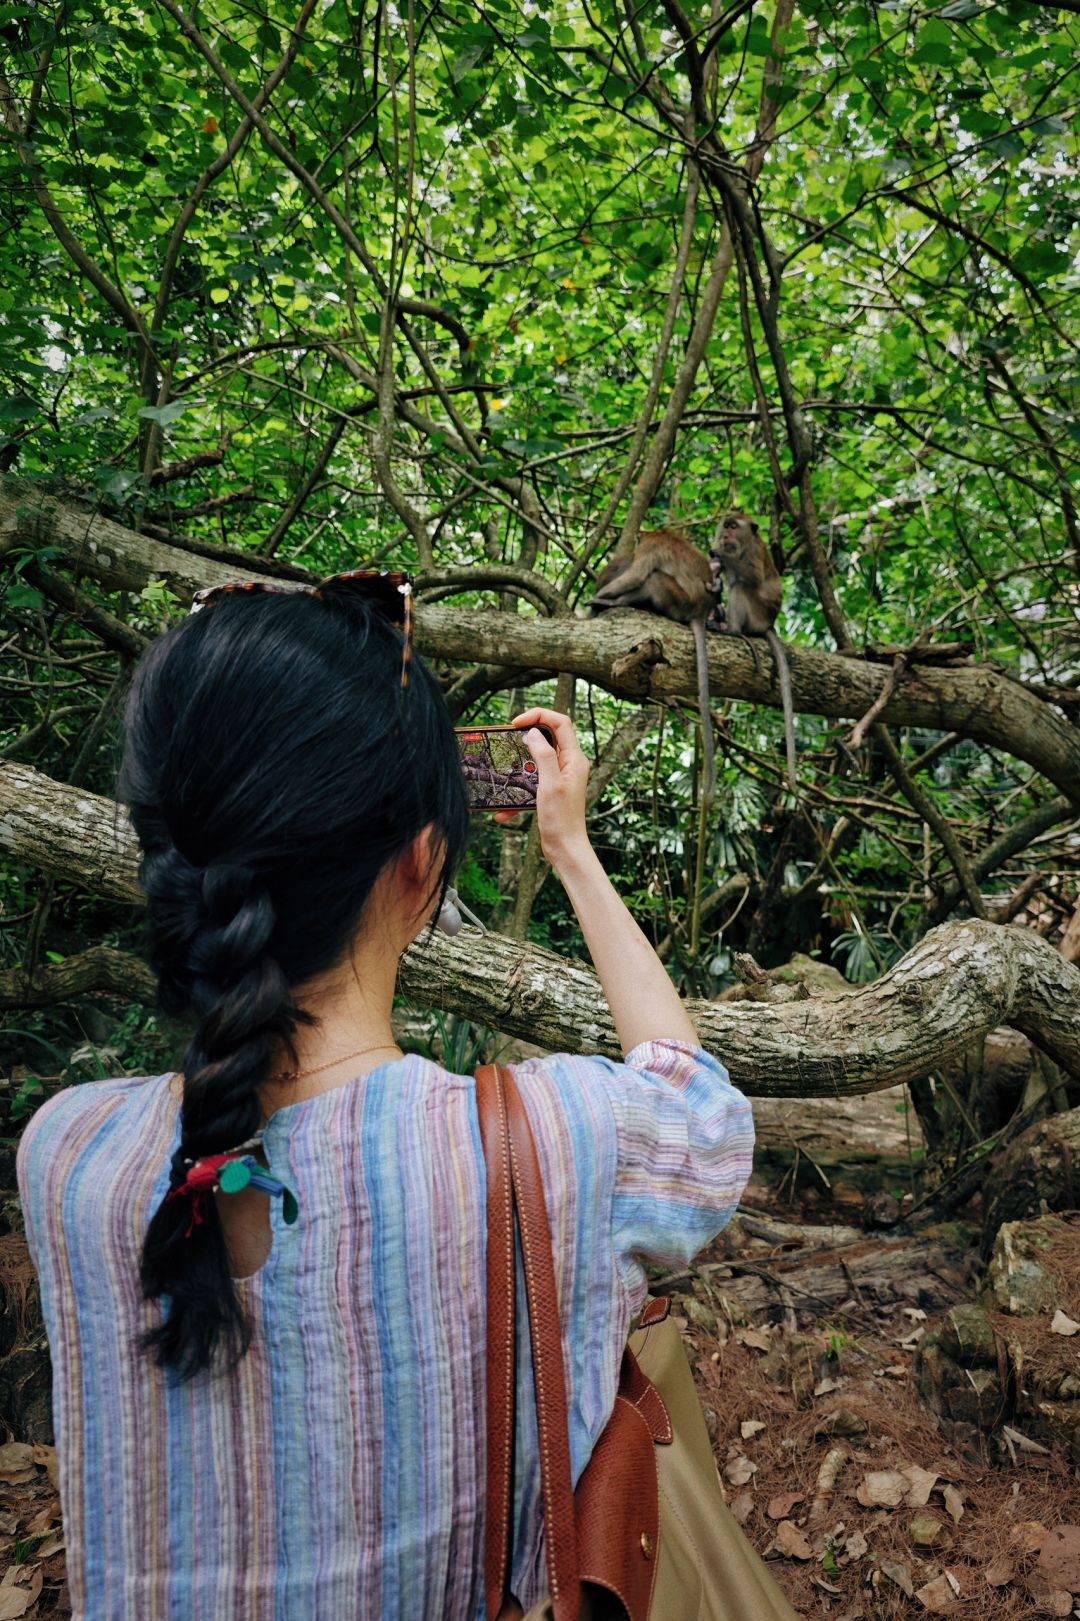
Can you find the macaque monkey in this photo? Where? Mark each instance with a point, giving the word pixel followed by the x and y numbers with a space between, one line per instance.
pixel 754 590
pixel 668 575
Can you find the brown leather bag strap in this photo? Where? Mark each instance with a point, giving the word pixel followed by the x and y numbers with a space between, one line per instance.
pixel 549 1373
pixel 512 1164
pixel 495 1136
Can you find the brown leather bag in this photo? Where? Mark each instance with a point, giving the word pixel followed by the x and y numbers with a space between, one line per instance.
pixel 647 1532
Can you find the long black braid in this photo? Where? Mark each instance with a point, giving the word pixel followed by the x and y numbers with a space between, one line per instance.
pixel 219 921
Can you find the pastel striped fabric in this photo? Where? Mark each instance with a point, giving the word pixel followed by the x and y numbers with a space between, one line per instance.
pixel 338 1473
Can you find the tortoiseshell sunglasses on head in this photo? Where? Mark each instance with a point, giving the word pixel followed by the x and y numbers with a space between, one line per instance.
pixel 386 589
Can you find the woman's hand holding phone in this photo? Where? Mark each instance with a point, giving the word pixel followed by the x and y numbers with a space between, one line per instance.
pixel 644 1003
pixel 564 777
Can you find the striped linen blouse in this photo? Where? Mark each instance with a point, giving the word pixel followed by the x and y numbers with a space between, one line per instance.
pixel 338 1473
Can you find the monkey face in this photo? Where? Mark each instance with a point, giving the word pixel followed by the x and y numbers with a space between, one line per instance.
pixel 727 536
pixel 734 534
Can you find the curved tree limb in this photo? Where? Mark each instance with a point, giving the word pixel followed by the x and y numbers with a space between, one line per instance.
pixel 958 984
pixel 436 583
pixel 114 632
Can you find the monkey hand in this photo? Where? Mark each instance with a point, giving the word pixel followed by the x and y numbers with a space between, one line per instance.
pixel 564 777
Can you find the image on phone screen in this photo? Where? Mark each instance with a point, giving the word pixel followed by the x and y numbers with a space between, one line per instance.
pixel 499 771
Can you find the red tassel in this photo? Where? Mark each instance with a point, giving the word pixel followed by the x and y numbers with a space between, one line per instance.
pixel 195 1185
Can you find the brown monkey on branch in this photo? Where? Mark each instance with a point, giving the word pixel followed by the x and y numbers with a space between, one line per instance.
pixel 754 591
pixel 668 575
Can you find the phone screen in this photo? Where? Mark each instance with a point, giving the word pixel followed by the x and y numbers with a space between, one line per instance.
pixel 499 771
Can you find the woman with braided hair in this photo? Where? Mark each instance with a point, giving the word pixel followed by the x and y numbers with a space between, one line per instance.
pixel 263 1275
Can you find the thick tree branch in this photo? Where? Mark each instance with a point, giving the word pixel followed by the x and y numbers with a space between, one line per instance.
pixel 642 655
pixel 958 984
pixel 68 832
pixel 638 655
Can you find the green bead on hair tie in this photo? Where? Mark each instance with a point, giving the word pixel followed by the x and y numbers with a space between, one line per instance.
pixel 235 1177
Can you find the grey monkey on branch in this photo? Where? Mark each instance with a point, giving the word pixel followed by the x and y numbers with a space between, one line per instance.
pixel 667 575
pixel 754 593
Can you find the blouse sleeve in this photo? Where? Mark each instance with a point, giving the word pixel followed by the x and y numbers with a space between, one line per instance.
pixel 685 1138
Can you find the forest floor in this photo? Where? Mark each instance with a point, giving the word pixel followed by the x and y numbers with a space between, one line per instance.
pixel 802 1322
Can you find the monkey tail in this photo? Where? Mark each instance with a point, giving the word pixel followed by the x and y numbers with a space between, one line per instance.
pixel 701 648
pixel 776 648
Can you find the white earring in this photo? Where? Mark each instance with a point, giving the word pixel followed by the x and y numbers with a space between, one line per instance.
pixel 449 919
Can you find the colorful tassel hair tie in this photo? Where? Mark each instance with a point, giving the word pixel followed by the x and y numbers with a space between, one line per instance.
pixel 231 1173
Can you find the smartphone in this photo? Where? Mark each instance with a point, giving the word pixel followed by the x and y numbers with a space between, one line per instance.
pixel 499 771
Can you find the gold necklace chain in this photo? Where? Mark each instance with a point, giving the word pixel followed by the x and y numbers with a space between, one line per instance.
pixel 302 1074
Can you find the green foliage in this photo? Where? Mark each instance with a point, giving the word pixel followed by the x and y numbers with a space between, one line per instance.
pixel 837 1341
pixel 457 1044
pixel 29 1094
pixel 860 956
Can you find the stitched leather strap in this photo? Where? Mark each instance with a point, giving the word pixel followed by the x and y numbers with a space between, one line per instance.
pixel 549 1374
pixel 495 1137
pixel 505 1130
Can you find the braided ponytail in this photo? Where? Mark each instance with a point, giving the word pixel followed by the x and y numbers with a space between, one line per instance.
pixel 218 924
pixel 272 769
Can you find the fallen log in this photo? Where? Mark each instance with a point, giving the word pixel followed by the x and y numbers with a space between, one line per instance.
pixel 867 1274
pixel 960 982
